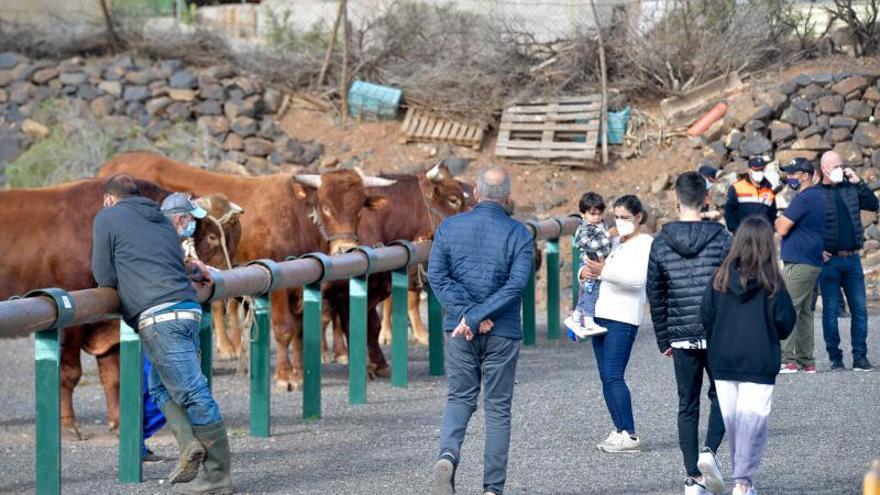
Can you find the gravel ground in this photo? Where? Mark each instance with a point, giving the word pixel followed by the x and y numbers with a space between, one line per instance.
pixel 823 431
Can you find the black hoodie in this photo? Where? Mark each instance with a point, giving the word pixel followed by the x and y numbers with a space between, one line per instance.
pixel 683 258
pixel 136 250
pixel 744 327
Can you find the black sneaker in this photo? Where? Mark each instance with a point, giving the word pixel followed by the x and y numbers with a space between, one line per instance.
pixel 837 366
pixel 862 364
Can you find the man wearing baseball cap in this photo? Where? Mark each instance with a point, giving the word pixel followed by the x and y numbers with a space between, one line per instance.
pixel 182 211
pixel 751 195
pixel 710 175
pixel 802 228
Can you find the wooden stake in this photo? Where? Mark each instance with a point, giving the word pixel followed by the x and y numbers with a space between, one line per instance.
pixel 344 83
pixel 604 84
pixel 114 38
pixel 332 44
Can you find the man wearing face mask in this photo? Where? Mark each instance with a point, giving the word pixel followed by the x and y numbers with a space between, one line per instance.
pixel 136 250
pixel 709 211
pixel 749 196
pixel 802 228
pixel 845 195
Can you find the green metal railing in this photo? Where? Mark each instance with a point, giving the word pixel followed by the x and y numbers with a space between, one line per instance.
pixel 47 312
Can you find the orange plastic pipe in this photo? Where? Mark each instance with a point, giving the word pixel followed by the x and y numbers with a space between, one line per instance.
pixel 706 121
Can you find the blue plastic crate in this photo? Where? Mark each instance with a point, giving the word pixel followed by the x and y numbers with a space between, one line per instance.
pixel 373 101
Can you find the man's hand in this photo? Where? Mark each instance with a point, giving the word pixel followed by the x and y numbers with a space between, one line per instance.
pixel 486 326
pixel 710 215
pixel 826 256
pixel 464 330
pixel 198 272
pixel 668 352
pixel 851 175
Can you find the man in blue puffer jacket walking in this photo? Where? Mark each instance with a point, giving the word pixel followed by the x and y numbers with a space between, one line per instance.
pixel 479 266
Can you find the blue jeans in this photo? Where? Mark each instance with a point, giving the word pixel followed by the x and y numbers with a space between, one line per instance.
pixel 173 349
pixel 490 361
pixel 587 298
pixel 844 272
pixel 153 418
pixel 612 351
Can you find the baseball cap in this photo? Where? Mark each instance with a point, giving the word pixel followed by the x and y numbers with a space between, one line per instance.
pixel 708 172
pixel 757 162
pixel 181 203
pixel 798 164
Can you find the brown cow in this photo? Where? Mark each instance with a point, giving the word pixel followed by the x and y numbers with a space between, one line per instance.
pixel 276 226
pixel 46 241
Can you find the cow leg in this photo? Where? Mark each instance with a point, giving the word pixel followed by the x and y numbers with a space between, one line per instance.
pixel 385 333
pixel 340 341
pixel 297 308
pixel 326 319
pixel 71 372
pixel 219 318
pixel 378 364
pixel 282 331
pixel 108 370
pixel 413 300
pixel 233 324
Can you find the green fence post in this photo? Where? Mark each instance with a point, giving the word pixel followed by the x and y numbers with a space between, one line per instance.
pixel 312 351
pixel 206 343
pixel 47 390
pixel 259 368
pixel 357 340
pixel 528 309
pixel 399 320
pixel 435 335
pixel 553 321
pixel 575 266
pixel 131 405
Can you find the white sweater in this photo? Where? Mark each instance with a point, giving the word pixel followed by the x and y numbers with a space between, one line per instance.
pixel 622 292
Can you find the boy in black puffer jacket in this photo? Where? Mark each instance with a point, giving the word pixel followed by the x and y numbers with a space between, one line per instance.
pixel 683 258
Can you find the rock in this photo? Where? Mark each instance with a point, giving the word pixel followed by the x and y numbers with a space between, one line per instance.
pixel 660 183
pixel 868 218
pixel 288 150
pixel 755 144
pixel 857 109
pixel 183 79
pixel 802 104
pixel 795 117
pixel 135 110
pixel 809 131
pixel 206 79
pixel 812 92
pixel 34 129
pixel 823 78
pixel 241 85
pixel 851 153
pixel 244 126
pixel 43 76
pixel 156 128
pixel 838 134
pixel 208 107
pixel 867 135
pixel 872 94
pixel 156 105
pixel 831 104
pixel 215 125
pixel 6 77
pixel 869 174
pixel 221 72
pixel 74 78
pixel 21 92
pixel 774 100
pixel 9 60
pixel 785 156
pixel 754 126
pixel 4 96
pixel 178 111
pixel 312 151
pixel 803 80
pixel 875 159
pixel 272 100
pixel 112 88
pixel 850 84
pixel 212 92
pixel 11 145
pixel 742 110
pixel 855 95
pixel 733 139
pixel 136 93
pixel 844 122
pixel 780 131
pixel 170 66
pixel 87 92
pixel 877 113
pixel 330 162
pixel 258 166
pixel 233 142
pixel 186 95
pixel 102 106
pixel 873 232
pixel 231 167
pixel 268 129
pixel 788 87
pixel 814 142
pixel 824 122
pixel 139 78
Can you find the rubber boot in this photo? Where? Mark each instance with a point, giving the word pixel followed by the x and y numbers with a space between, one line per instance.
pixel 191 450
pixel 214 478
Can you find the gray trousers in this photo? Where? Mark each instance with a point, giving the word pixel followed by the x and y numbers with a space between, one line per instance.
pixel 490 361
pixel 800 281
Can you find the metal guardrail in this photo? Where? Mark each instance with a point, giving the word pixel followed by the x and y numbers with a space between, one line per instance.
pixel 47 312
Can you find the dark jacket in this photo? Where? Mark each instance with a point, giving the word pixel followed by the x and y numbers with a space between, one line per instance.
pixel 136 250
pixel 857 197
pixel 744 327
pixel 745 200
pixel 683 258
pixel 480 264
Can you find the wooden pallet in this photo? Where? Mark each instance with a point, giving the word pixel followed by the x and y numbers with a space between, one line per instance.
pixel 421 125
pixel 563 131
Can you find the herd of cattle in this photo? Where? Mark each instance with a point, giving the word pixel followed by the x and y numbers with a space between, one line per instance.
pixel 46 242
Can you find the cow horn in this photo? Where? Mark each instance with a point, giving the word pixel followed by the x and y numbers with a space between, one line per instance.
pixel 311 180
pixel 378 182
pixel 435 174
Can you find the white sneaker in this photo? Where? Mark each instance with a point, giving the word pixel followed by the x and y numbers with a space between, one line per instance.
pixel 623 444
pixel 573 322
pixel 693 487
pixel 612 438
pixel 708 465
pixel 749 491
pixel 591 328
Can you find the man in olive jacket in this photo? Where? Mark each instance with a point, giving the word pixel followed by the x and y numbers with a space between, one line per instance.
pixel 684 256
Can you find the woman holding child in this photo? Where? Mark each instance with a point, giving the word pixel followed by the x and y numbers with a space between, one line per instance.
pixel 618 310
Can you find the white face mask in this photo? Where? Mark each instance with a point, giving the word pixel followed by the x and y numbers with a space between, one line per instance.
pixel 836 175
pixel 757 177
pixel 624 227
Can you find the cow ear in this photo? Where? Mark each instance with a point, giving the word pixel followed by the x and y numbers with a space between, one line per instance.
pixel 299 191
pixel 376 202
